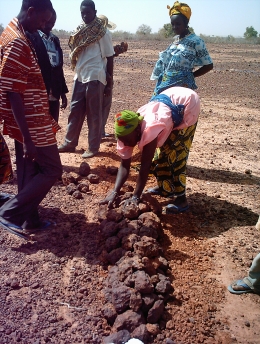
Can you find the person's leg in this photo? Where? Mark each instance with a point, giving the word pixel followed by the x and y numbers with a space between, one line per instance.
pixel 169 167
pixel 77 114
pixel 253 279
pixel 94 101
pixel 54 106
pixel 107 102
pixel 34 187
pixel 6 172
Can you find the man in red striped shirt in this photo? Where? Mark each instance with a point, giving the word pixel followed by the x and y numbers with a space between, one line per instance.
pixel 25 112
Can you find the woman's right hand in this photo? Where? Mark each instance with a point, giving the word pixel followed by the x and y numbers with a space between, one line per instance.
pixel 110 199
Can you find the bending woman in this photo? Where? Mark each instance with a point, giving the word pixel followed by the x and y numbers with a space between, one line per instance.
pixel 176 64
pixel 163 129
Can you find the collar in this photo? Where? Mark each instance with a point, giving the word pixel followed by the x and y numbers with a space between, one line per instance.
pixel 44 36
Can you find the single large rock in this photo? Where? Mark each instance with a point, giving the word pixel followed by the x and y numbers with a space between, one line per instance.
pixel 114 215
pixel 112 243
pixel 115 255
pixel 126 231
pixel 109 229
pixel 83 187
pixel 155 312
pixel 93 178
pixel 142 282
pixel 113 275
pixel 112 170
pixel 131 211
pixel 135 301
pixel 129 241
pixel 110 313
pixel 84 169
pixel 141 333
pixel 117 338
pixel 121 298
pixel 147 247
pixel 163 287
pixel 148 302
pixel 71 188
pixel 150 220
pixel 148 266
pixel 129 321
pixel 152 202
pixel 148 231
pixel 68 178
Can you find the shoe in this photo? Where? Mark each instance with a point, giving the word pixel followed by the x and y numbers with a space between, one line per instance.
pixel 45 225
pixel 174 209
pixel 157 191
pixel 88 154
pixel 66 149
pixel 105 135
pixel 4 197
pixel 12 228
pixel 242 284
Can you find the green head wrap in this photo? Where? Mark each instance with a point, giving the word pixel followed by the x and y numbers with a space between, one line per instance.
pixel 126 122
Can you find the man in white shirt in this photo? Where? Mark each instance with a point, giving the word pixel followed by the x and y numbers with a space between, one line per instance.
pixel 92 57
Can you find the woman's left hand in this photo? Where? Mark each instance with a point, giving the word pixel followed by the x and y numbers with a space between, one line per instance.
pixel 134 200
pixel 110 199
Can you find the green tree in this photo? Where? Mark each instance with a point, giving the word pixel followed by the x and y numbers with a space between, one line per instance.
pixel 167 31
pixel 1 28
pixel 250 33
pixel 144 30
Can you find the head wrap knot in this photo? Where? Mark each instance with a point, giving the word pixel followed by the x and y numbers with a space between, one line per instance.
pixel 126 122
pixel 180 7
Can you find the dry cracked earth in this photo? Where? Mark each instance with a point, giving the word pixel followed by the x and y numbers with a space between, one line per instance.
pixel 51 287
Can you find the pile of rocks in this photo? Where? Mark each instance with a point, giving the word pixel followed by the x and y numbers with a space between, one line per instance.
pixel 137 287
pixel 79 183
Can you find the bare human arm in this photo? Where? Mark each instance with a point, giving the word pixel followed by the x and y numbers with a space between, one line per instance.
pixel 203 70
pixel 17 106
pixel 121 178
pixel 146 161
pixel 123 173
pixel 64 101
pixel 110 70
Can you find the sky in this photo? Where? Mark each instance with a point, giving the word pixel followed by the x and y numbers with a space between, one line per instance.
pixel 209 17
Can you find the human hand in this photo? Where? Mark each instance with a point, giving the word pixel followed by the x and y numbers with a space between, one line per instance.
pixel 29 150
pixel 64 101
pixel 120 48
pixel 107 91
pixel 133 201
pixel 110 199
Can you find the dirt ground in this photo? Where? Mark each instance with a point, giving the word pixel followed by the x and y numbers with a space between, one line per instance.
pixel 51 287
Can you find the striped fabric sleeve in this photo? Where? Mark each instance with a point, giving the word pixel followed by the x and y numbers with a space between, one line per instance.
pixel 16 64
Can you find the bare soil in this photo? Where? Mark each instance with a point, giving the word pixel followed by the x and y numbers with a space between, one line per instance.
pixel 51 287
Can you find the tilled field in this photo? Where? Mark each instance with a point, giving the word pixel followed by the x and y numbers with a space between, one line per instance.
pixel 51 288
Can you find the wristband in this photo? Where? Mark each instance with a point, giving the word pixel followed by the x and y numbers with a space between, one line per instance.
pixel 136 198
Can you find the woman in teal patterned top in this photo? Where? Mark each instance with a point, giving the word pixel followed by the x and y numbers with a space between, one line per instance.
pixel 175 65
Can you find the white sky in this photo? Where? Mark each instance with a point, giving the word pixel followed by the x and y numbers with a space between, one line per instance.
pixel 209 17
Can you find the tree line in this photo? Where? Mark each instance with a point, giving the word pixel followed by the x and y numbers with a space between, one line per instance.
pixel 145 32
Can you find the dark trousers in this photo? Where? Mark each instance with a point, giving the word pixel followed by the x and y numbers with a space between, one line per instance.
pixel 35 179
pixel 54 106
pixel 86 102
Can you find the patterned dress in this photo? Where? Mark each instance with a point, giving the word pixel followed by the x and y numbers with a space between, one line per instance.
pixel 176 63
